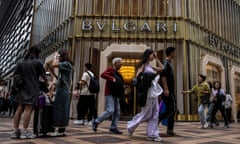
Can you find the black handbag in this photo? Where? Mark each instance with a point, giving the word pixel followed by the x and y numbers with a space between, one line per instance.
pixel 205 99
pixel 220 97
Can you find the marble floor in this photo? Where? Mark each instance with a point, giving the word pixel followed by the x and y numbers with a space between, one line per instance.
pixel 187 133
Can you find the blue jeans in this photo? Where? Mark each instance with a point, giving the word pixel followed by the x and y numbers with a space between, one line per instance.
pixel 112 107
pixel 201 113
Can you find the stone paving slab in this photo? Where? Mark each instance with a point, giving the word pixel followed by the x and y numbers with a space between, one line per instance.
pixel 188 133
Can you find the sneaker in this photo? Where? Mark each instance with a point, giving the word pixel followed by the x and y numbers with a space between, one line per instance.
pixel 89 123
pixel 58 134
pixel 94 126
pixel 226 126
pixel 205 125
pixel 78 122
pixel 16 134
pixel 217 124
pixel 115 131
pixel 210 125
pixel 27 135
pixel 157 139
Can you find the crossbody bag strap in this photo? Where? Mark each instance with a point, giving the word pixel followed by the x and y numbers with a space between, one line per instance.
pixel 90 78
pixel 89 74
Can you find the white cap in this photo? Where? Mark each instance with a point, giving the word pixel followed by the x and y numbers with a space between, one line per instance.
pixel 116 59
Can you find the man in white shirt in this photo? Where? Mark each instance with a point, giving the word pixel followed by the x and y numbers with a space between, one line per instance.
pixel 86 102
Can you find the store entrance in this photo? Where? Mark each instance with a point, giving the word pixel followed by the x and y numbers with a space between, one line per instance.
pixel 128 100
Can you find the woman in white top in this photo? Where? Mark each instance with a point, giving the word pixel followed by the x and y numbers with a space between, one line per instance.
pixel 149 113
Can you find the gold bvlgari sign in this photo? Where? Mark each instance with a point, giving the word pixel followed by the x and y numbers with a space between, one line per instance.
pixel 128 26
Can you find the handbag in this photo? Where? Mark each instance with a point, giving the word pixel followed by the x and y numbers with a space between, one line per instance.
pixel 162 110
pixel 41 101
pixel 205 99
pixel 220 97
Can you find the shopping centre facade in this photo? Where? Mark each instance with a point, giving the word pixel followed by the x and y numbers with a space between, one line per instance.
pixel 204 32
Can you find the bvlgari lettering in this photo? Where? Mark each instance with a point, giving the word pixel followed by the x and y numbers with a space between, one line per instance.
pixel 222 46
pixel 129 26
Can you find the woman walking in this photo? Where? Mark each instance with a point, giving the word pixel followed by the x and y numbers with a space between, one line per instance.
pixel 149 113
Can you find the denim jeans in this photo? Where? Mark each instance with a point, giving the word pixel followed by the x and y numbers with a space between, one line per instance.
pixel 210 113
pixel 201 113
pixel 112 107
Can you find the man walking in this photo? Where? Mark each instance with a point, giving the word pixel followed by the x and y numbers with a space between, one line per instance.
pixel 167 80
pixel 111 99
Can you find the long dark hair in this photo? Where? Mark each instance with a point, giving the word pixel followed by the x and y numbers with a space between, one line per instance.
pixel 218 83
pixel 145 56
pixel 210 84
pixel 65 56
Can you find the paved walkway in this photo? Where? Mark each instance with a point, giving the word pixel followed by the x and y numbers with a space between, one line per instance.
pixel 188 133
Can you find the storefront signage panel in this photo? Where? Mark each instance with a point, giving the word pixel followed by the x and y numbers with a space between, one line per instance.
pixel 204 38
pixel 130 28
pixel 222 46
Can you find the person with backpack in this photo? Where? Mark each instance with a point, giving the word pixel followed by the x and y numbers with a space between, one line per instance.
pixel 114 89
pixel 87 100
pixel 150 109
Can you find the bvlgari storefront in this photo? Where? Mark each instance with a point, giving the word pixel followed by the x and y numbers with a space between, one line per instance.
pixel 203 32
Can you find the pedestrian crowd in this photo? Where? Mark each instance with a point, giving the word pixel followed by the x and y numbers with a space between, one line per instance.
pixel 154 83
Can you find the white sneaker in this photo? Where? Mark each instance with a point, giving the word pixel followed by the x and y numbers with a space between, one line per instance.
pixel 58 134
pixel 157 139
pixel 200 127
pixel 205 125
pixel 25 134
pixel 78 122
pixel 89 123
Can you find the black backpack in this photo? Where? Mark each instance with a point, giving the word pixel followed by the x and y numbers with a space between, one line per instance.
pixel 93 84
